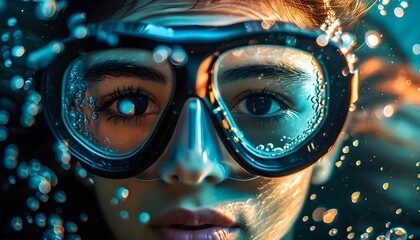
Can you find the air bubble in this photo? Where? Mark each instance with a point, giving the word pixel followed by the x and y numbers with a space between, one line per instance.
pixel 396 233
pixel 399 211
pixel 144 217
pixel 18 51
pixel 416 49
pixel 385 186
pixel 32 203
pixel 60 197
pixel 8 63
pixel 179 57
pixel 161 53
pixel 355 197
pixel 70 227
pixel 11 22
pixel 373 38
pixel 12 180
pixel 40 220
pixel 79 32
pixel 17 223
pixel 83 217
pixel 329 216
pixel 380 237
pixel 122 193
pixel 46 9
pixel 4 133
pixel 404 4
pixel 124 215
pixel 399 12
pixel 10 156
pixel 333 232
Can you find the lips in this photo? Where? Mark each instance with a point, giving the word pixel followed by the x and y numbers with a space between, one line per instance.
pixel 182 224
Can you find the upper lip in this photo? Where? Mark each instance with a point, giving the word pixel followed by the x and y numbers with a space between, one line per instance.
pixel 193 218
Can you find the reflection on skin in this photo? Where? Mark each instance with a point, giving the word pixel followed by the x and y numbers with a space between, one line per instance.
pixel 264 208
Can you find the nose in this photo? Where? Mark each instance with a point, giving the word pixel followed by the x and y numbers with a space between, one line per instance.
pixel 194 154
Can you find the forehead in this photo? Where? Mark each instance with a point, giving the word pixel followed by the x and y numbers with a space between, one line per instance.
pixel 206 13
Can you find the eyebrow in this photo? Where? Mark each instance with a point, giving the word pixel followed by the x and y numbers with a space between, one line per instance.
pixel 118 68
pixel 286 73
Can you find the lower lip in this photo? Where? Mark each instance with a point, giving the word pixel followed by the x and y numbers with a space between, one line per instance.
pixel 214 233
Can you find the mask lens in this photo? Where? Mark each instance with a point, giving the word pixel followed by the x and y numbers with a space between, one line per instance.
pixel 113 99
pixel 273 96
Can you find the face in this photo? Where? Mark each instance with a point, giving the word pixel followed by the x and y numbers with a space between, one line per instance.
pixel 200 192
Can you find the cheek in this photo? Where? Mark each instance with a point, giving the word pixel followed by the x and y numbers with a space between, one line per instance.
pixel 278 205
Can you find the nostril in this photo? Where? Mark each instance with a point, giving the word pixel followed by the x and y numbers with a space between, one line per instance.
pixel 212 179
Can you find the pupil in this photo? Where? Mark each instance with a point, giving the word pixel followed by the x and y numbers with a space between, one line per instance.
pixel 258 105
pixel 133 105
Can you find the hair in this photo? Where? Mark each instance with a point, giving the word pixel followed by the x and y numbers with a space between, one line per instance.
pixel 305 13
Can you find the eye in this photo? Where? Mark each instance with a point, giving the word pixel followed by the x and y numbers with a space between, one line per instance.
pixel 261 105
pixel 134 105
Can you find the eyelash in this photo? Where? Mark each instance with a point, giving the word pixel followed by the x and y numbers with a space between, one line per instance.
pixel 116 95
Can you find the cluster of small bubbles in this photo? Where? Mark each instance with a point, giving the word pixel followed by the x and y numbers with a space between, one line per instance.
pixel 30 108
pixel 124 215
pixel 269 147
pixel 396 233
pixel 62 154
pixel 333 232
pixel 398 11
pixel 40 178
pixel 17 223
pixel 144 217
pixel 10 156
pixel 32 203
pixel 60 196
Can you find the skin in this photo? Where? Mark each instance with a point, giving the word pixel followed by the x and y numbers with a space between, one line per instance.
pixel 263 208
